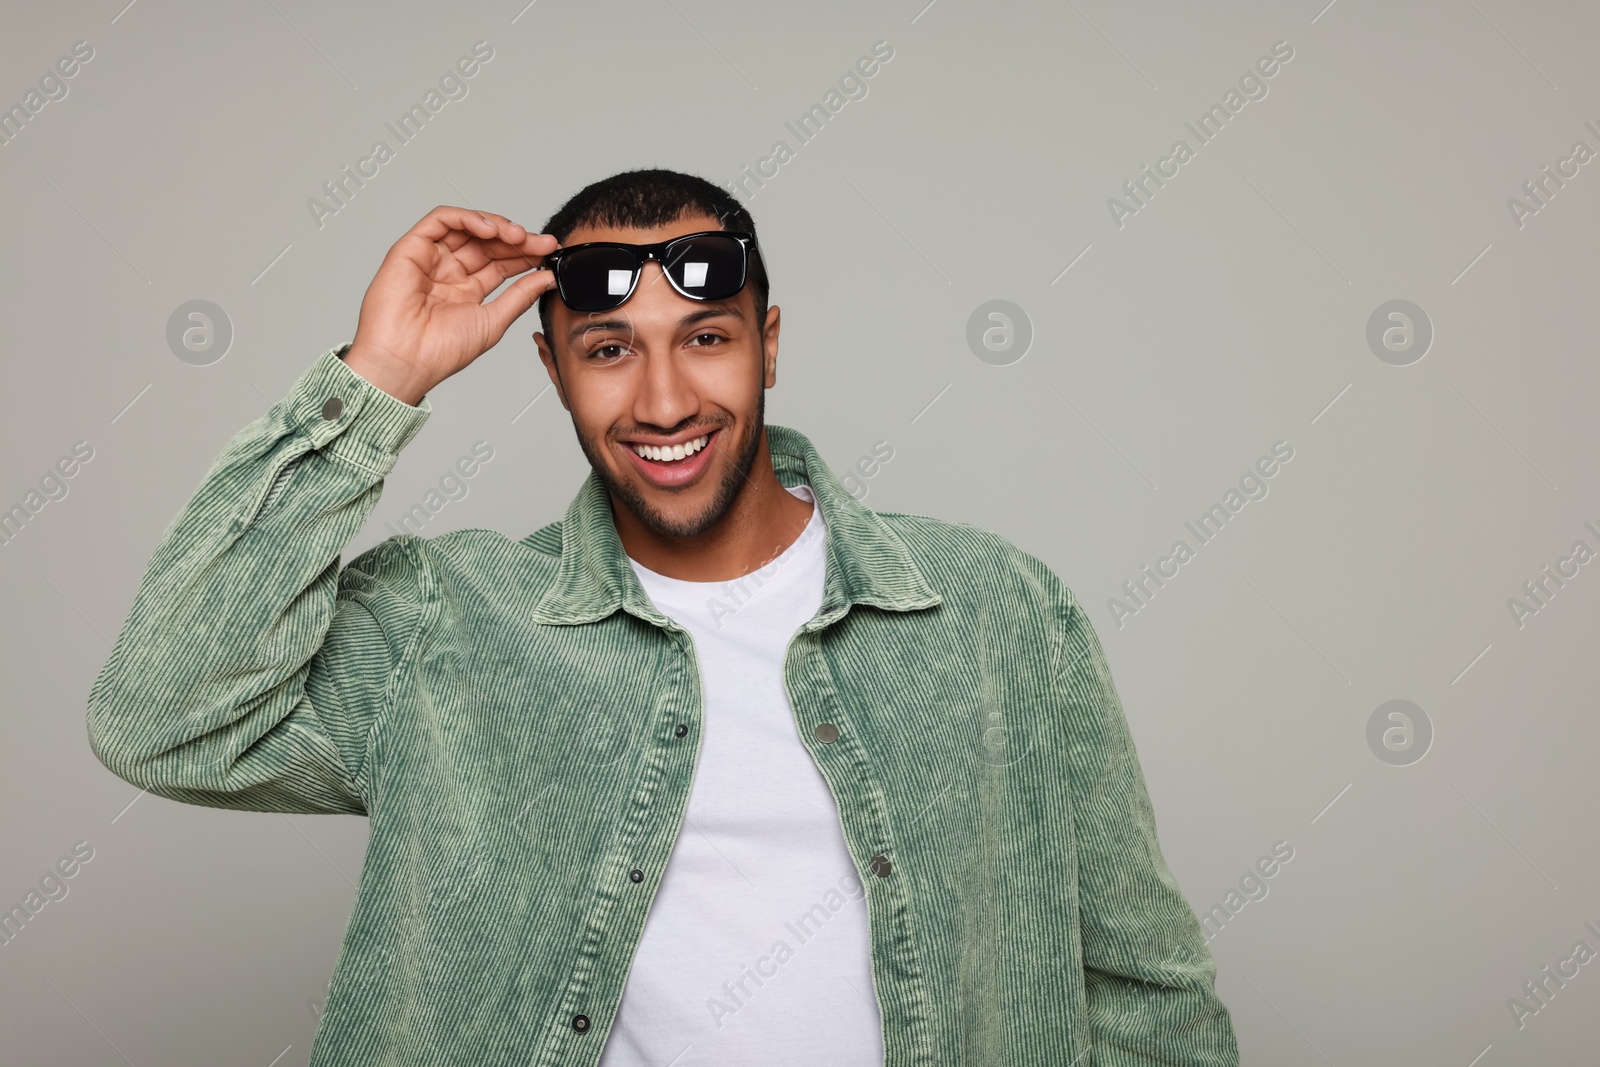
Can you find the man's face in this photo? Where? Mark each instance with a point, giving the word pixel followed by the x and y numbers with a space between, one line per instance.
pixel 663 370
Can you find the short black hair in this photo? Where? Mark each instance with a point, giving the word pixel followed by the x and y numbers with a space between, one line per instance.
pixel 648 198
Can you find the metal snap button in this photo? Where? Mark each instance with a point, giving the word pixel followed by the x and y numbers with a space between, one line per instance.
pixel 880 866
pixel 580 1023
pixel 332 408
pixel 636 874
pixel 827 733
pixel 682 729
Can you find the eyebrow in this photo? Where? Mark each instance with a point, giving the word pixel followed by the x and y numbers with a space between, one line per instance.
pixel 716 311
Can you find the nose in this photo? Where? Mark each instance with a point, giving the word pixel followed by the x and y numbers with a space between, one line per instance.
pixel 666 395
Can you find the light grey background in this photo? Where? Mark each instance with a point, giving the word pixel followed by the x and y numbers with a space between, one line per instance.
pixel 1229 313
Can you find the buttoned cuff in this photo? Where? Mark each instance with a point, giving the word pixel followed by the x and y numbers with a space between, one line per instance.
pixel 346 415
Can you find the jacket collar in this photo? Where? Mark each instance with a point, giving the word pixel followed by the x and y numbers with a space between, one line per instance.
pixel 867 563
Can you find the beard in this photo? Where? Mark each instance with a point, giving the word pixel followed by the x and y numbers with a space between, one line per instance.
pixel 734 478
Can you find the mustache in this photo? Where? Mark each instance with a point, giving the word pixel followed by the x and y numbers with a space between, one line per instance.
pixel 655 431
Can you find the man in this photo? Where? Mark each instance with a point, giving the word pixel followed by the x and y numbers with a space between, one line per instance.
pixel 723 768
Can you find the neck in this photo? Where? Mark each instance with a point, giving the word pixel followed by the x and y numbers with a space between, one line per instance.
pixel 764 519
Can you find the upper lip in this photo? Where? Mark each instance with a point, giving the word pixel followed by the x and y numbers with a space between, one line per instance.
pixel 668 442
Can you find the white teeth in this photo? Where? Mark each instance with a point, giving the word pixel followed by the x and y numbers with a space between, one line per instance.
pixel 688 448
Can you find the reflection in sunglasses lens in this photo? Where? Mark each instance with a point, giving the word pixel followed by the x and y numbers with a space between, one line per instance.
pixel 710 265
pixel 594 279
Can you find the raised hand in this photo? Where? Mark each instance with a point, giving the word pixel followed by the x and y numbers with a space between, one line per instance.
pixel 424 318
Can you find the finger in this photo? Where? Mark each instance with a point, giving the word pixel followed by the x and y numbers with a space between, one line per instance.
pixel 489 277
pixel 444 219
pixel 515 239
pixel 527 244
pixel 509 232
pixel 519 297
pixel 474 255
pixel 501 229
pixel 512 233
pixel 471 239
pixel 438 230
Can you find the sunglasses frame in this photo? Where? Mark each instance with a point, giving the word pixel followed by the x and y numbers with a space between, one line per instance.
pixel 658 252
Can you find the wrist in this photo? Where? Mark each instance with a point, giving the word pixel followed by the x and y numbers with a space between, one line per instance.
pixel 388 374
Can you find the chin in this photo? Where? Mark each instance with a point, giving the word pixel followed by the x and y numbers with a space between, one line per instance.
pixel 689 510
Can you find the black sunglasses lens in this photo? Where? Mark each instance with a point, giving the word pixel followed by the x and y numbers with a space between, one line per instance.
pixel 596 279
pixel 708 267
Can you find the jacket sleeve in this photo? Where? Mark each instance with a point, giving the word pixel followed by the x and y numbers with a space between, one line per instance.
pixel 1149 977
pixel 252 671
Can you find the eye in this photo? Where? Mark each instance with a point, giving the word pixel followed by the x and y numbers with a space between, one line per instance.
pixel 609 350
pixel 716 338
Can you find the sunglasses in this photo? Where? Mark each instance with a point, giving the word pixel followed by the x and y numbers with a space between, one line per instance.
pixel 601 275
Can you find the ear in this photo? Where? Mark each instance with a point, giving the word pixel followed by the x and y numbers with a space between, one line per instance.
pixel 548 358
pixel 769 346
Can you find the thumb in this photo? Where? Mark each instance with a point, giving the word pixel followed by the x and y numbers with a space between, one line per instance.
pixel 518 297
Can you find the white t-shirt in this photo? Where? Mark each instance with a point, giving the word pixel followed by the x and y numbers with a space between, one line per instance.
pixel 755 950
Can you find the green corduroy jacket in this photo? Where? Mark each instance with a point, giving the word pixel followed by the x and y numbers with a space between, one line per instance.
pixel 520 725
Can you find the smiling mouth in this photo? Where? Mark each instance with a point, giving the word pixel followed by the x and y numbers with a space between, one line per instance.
pixel 674 466
pixel 673 453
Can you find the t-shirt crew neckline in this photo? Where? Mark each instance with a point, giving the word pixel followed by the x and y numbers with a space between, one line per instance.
pixel 796 546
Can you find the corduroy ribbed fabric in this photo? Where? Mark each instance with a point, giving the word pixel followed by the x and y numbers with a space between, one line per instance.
pixel 520 725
